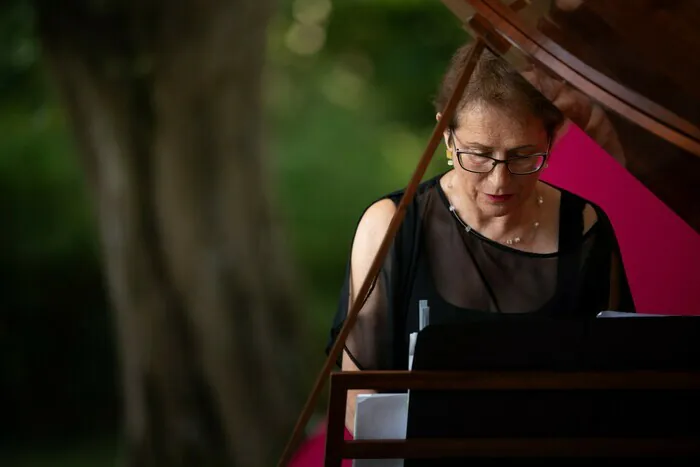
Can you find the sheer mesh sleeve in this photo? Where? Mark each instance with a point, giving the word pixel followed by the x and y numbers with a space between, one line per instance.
pixel 377 341
pixel 620 295
pixel 611 284
pixel 369 341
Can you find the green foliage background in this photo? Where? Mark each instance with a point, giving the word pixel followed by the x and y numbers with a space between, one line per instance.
pixel 344 125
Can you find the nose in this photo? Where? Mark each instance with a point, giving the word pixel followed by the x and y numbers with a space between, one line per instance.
pixel 499 177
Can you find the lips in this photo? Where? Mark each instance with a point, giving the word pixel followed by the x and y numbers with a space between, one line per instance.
pixel 498 198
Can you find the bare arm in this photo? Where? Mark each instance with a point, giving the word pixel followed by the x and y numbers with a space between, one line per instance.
pixel 368 238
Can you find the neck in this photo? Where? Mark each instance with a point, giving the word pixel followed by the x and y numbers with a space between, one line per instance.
pixel 508 224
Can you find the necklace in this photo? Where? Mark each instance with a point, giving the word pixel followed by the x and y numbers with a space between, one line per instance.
pixel 510 241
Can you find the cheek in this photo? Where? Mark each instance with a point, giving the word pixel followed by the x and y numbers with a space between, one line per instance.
pixel 471 181
pixel 527 183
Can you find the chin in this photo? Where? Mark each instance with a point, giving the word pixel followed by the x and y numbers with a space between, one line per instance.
pixel 499 207
pixel 497 210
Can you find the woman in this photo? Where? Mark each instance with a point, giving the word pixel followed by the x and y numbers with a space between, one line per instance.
pixel 487 239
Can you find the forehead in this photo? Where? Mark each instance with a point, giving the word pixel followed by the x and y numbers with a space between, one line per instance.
pixel 499 128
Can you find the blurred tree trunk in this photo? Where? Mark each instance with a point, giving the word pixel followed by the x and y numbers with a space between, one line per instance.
pixel 165 100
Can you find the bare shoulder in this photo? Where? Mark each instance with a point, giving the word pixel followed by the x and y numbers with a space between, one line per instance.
pixel 368 237
pixel 372 227
pixel 590 217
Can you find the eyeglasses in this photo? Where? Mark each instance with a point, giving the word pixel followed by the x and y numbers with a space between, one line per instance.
pixel 475 162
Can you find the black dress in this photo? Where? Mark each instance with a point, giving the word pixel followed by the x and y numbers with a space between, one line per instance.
pixel 465 276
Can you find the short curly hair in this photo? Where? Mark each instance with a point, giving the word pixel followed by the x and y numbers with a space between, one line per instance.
pixel 495 82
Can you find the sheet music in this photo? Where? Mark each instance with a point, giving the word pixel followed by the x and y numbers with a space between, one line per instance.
pixel 381 416
pixel 423 321
pixel 423 314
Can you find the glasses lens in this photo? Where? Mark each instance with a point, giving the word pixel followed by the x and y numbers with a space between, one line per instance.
pixel 475 163
pixel 526 165
pixel 483 164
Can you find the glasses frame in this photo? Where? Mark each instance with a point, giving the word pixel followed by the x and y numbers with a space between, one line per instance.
pixel 458 154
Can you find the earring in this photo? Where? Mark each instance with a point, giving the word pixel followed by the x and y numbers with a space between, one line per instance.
pixel 449 157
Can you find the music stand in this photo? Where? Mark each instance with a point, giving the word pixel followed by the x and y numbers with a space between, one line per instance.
pixel 619 388
pixel 601 348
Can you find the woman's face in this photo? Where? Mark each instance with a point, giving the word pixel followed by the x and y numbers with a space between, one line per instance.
pixel 503 135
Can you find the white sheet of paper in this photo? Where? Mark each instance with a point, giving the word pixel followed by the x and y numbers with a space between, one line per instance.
pixel 385 416
pixel 380 416
pixel 411 347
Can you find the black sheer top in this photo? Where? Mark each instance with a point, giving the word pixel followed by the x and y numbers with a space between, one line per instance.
pixel 465 276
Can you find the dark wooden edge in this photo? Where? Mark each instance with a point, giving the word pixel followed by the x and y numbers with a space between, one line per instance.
pixel 520 447
pixel 481 27
pixel 497 20
pixel 510 380
pixel 337 448
pixel 635 99
pixel 335 432
pixel 460 8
